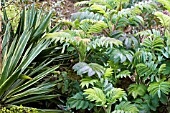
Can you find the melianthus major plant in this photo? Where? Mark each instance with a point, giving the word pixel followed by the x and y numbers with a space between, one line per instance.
pixel 115 46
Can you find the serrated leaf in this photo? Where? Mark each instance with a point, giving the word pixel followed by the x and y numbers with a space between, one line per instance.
pixel 114 94
pixel 78 101
pixel 137 89
pixel 91 69
pixel 87 81
pixel 126 107
pixel 157 88
pixel 123 74
pixel 108 72
pixel 95 94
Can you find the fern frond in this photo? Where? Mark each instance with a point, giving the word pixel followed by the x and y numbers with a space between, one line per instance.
pixel 162 68
pixel 70 36
pixel 95 94
pixel 66 22
pixel 137 8
pixel 119 111
pixel 102 2
pixel 107 86
pixel 136 20
pixel 128 40
pixel 59 36
pixel 99 9
pixel 142 56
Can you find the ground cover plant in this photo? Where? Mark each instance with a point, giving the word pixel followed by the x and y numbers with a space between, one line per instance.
pixel 111 56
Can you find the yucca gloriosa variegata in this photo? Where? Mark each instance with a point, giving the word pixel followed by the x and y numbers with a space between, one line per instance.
pixel 20 71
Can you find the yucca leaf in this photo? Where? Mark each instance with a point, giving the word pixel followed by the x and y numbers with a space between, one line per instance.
pixel 41 89
pixel 21 25
pixel 35 98
pixel 32 81
pixel 42 26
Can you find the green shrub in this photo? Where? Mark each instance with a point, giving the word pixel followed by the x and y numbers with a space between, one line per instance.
pixel 18 109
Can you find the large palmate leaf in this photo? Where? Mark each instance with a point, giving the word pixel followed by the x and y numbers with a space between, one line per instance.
pixel 91 69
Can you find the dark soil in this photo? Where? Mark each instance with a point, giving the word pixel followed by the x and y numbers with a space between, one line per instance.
pixel 67 8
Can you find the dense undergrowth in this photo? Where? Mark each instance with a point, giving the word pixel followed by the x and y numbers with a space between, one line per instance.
pixel 110 56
